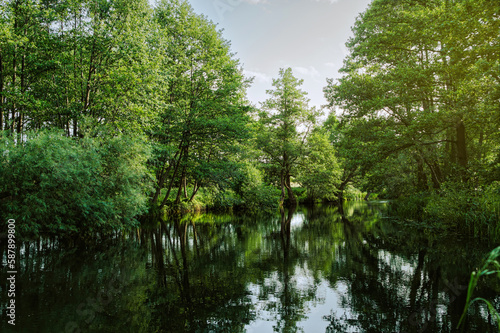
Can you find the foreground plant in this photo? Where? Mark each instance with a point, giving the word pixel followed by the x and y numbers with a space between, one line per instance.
pixel 490 266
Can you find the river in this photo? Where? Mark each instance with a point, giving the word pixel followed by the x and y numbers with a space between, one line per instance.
pixel 312 269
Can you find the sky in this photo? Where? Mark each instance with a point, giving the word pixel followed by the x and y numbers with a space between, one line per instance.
pixel 307 35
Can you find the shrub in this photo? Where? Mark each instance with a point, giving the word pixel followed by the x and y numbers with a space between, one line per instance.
pixel 351 194
pixel 52 183
pixel 261 197
pixel 459 205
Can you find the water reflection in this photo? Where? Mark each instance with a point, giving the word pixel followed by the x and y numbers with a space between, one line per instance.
pixel 320 269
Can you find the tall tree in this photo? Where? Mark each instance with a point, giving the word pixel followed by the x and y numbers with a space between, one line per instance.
pixel 69 63
pixel 286 122
pixel 204 114
pixel 424 91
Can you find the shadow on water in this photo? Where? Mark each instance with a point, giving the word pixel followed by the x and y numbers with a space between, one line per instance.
pixel 310 269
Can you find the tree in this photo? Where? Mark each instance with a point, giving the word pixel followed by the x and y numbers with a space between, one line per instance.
pixel 204 115
pixel 286 121
pixel 319 171
pixel 74 62
pixel 422 92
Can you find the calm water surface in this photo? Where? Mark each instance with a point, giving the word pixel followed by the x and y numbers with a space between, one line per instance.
pixel 307 270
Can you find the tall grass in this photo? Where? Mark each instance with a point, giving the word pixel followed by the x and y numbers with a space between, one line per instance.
pixel 491 266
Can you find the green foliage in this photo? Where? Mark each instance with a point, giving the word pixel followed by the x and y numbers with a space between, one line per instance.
pixel 301 194
pixel 420 109
pixel 353 194
pixel 204 116
pixel 423 98
pixel 491 267
pixel 52 183
pixel 73 59
pixel 457 205
pixel 319 172
pixel 254 193
pixel 262 198
pixel 410 207
pixel 225 200
pixel 286 121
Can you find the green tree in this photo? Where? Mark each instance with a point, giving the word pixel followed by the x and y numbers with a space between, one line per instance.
pixel 426 93
pixel 76 61
pixel 286 121
pixel 319 171
pixel 204 115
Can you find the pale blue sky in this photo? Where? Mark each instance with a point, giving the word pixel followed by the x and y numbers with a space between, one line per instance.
pixel 266 35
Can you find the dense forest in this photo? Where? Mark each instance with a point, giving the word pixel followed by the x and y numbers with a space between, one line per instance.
pixel 111 110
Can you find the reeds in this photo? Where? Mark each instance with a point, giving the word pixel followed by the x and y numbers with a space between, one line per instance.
pixel 491 266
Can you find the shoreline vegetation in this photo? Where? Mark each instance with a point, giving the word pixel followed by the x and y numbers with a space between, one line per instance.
pixel 113 110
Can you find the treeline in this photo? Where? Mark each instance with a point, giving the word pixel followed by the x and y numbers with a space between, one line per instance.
pixel 421 114
pixel 112 109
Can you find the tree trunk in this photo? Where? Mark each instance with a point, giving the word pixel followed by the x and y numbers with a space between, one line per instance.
pixel 182 181
pixel 282 186
pixel 195 190
pixel 14 76
pixel 23 88
pixel 481 141
pixel 1 92
pixel 348 176
pixel 181 185
pixel 461 149
pixel 421 176
pixel 164 202
pixel 163 176
pixel 291 196
pixel 436 176
pixel 184 184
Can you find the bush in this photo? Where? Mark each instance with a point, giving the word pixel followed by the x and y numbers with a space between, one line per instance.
pixel 455 206
pixel 254 193
pixel 52 183
pixel 351 194
pixel 225 200
pixel 459 205
pixel 261 197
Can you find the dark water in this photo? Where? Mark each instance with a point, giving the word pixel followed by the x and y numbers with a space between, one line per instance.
pixel 308 270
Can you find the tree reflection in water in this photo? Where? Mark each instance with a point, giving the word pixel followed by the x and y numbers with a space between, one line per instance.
pixel 318 269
